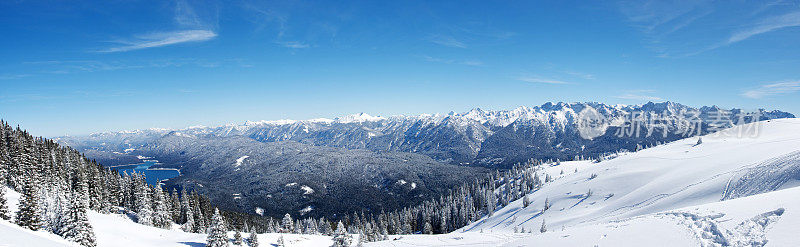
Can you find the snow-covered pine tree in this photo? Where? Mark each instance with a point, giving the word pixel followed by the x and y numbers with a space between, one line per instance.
pixel 252 240
pixel 237 238
pixel 175 206
pixel 362 237
pixel 546 204
pixel 298 227
pixel 427 229
pixel 144 204
pixel 161 212
pixel 287 224
pixel 360 240
pixel 29 215
pixel 188 225
pixel 77 227
pixel 217 232
pixel 525 201
pixel 491 201
pixel 543 228
pixel 443 223
pixel 200 223
pixel 325 227
pixel 3 204
pixel 280 242
pixel 341 238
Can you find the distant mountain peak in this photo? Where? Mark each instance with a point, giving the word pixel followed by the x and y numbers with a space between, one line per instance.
pixel 358 118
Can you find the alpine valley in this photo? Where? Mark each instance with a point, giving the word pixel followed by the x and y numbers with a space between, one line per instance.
pixel 363 163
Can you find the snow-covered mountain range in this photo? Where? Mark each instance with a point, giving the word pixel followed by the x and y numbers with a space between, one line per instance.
pixel 487 138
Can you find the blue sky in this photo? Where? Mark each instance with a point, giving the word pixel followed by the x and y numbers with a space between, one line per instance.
pixel 75 67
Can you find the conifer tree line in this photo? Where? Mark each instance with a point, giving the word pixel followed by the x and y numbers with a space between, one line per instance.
pixel 58 186
pixel 459 208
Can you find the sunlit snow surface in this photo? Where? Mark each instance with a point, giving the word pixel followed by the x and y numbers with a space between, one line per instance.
pixel 669 195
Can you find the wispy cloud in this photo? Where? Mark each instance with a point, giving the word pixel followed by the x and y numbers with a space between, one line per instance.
pixel 190 28
pixel 81 66
pixel 13 76
pixel 268 14
pixel 773 89
pixel 186 16
pixel 162 39
pixel 767 25
pixel 580 75
pixel 293 44
pixel 468 62
pixel 654 16
pixel 446 40
pixel 684 28
pixel 541 80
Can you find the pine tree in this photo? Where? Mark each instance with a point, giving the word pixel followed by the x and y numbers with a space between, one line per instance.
pixel 200 222
pixel 161 212
pixel 175 206
pixel 144 205
pixel 77 227
pixel 361 236
pixel 427 229
pixel 237 238
pixel 298 227
pixel 188 225
pixel 543 228
pixel 360 240
pixel 341 238
pixel 29 215
pixel 546 204
pixel 217 232
pixel 280 242
pixel 252 241
pixel 3 207
pixel 287 224
pixel 325 227
pixel 525 201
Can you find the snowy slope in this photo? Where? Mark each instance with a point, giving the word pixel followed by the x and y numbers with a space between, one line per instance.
pixel 13 235
pixel 637 195
pixel 747 221
pixel 113 230
pixel 117 230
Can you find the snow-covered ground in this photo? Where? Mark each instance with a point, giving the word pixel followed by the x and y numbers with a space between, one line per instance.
pixel 669 195
pixel 118 230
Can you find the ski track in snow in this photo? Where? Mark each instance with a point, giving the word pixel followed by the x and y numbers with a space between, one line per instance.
pixel 767 176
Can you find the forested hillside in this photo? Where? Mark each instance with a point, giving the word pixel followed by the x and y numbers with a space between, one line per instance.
pixel 58 185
